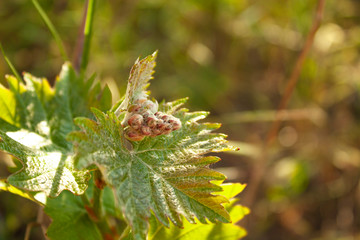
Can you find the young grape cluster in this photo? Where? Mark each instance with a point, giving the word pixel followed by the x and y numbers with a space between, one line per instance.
pixel 145 120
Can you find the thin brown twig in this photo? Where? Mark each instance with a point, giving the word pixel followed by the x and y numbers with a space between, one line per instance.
pixel 29 227
pixel 38 223
pixel 294 77
pixel 41 220
pixel 261 166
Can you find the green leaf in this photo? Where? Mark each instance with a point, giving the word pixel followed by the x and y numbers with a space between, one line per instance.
pixel 230 190
pixel 38 197
pixel 70 219
pixel 34 121
pixel 220 231
pixel 7 106
pixel 168 174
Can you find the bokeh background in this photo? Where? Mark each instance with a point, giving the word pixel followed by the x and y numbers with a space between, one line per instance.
pixel 233 58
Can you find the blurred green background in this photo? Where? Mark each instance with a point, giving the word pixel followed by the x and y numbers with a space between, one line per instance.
pixel 233 58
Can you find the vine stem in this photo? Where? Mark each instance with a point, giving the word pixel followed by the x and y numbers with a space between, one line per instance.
pixel 82 48
pixel 261 166
pixel 80 40
pixel 97 194
pixel 85 199
pixel 94 207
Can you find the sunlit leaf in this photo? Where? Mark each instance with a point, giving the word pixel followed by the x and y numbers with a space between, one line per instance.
pixel 219 231
pixel 39 197
pixel 34 121
pixel 168 174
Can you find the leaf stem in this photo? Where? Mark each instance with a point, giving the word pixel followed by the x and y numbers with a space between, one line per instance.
pixel 94 211
pixel 97 204
pixel 85 199
pixel 52 29
pixel 105 229
pixel 97 194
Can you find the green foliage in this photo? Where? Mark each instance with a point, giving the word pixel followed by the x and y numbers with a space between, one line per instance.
pixel 38 197
pixel 207 231
pixel 232 58
pixel 167 175
pixel 163 174
pixel 35 121
pixel 70 219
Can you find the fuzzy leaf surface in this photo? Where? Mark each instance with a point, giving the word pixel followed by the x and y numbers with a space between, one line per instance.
pixel 218 231
pixel 34 121
pixel 167 174
pixel 38 197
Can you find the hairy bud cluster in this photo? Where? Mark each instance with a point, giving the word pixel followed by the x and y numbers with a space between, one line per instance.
pixel 145 120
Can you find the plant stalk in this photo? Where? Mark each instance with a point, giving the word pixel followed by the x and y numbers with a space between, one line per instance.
pixel 88 30
pixel 97 194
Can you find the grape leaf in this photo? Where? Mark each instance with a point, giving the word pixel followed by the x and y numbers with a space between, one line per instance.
pixel 38 197
pixel 71 216
pixel 70 219
pixel 167 174
pixel 34 121
pixel 218 231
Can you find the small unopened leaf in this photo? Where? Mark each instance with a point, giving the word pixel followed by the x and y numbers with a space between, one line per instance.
pixel 140 75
